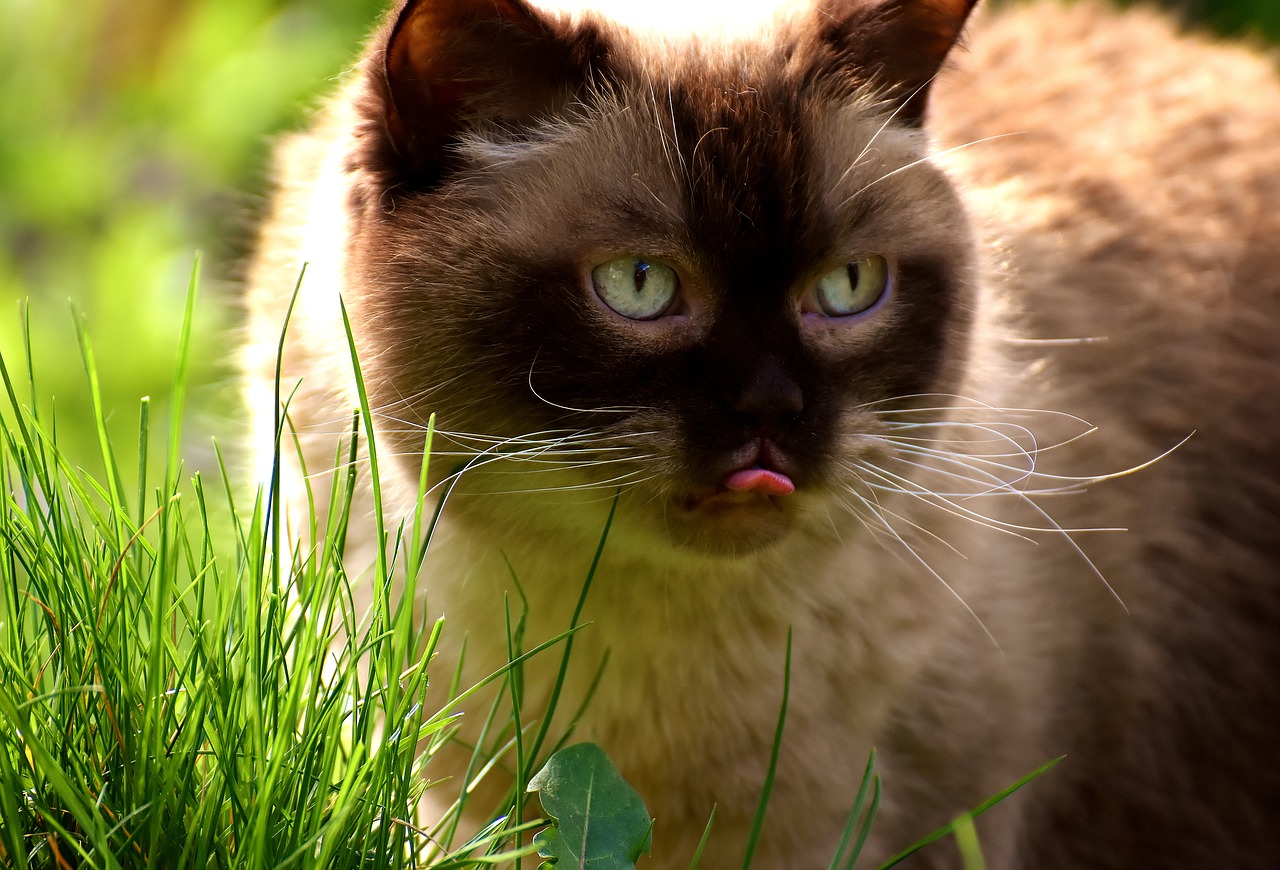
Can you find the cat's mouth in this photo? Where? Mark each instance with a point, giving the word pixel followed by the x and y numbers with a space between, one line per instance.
pixel 764 489
pixel 758 477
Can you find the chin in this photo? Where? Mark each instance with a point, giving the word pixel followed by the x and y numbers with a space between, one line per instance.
pixel 729 526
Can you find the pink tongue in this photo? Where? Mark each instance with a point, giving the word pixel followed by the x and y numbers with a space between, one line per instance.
pixel 760 480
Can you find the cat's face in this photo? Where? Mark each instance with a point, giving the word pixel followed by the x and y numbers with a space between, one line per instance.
pixel 706 275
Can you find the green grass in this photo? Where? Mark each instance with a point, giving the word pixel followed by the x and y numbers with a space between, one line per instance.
pixel 179 686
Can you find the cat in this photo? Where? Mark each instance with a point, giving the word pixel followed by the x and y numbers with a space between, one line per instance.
pixel 961 365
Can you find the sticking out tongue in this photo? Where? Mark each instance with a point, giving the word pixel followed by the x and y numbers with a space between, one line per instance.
pixel 760 480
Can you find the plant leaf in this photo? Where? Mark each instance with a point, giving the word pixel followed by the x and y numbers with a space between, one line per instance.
pixel 968 817
pixel 599 820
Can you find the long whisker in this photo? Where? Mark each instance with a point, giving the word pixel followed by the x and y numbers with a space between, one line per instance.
pixel 898 483
pixel 873 503
pixel 857 161
pixel 1073 482
pixel 934 573
pixel 925 159
pixel 992 485
pixel 545 400
pixel 629 478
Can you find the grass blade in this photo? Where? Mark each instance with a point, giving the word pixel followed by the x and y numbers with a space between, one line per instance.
pixel 757 825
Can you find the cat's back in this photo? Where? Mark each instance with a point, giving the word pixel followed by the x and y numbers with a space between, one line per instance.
pixel 1116 142
pixel 1130 212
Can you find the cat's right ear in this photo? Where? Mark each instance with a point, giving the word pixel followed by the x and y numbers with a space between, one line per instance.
pixel 452 63
pixel 898 46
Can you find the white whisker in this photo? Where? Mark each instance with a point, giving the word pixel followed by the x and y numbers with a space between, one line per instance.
pixel 925 159
pixel 934 573
pixel 881 511
pixel 857 161
pixel 546 401
pixel 897 483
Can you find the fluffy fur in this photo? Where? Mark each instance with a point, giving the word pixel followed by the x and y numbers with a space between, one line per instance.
pixel 1093 241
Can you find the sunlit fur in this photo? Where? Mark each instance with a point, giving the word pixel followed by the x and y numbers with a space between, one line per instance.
pixel 1037 489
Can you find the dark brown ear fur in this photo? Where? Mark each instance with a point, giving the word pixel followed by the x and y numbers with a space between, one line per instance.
pixel 897 44
pixel 449 63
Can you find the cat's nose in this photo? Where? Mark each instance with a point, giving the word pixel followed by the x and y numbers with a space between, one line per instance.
pixel 770 396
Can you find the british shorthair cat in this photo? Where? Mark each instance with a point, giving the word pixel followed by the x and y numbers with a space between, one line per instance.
pixel 961 365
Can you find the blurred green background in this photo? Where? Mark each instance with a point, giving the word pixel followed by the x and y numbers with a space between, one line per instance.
pixel 134 133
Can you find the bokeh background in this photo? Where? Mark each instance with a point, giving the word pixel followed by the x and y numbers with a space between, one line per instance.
pixel 134 133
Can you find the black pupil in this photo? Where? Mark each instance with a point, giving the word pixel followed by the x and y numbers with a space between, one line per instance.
pixel 641 272
pixel 853 275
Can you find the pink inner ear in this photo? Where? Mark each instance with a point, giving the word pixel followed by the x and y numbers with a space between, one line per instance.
pixel 760 480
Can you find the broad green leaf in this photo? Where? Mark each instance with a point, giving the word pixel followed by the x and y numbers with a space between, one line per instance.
pixel 599 820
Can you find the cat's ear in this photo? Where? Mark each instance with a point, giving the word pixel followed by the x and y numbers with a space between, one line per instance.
pixel 451 62
pixel 898 45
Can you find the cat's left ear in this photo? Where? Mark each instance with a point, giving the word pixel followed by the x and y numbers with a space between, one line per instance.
pixel 450 63
pixel 897 45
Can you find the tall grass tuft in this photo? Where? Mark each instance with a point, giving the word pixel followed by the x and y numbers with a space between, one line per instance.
pixel 181 687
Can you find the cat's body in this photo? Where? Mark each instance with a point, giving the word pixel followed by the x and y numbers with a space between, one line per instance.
pixel 1122 268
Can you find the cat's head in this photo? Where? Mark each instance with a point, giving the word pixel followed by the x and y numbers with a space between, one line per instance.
pixel 708 271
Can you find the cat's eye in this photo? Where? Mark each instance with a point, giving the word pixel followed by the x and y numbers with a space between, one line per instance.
pixel 850 289
pixel 636 287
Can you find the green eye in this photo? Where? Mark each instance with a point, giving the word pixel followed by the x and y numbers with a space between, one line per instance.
pixel 636 287
pixel 851 289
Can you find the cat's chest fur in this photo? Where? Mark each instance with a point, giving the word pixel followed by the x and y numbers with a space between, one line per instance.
pixel 694 677
pixel 836 390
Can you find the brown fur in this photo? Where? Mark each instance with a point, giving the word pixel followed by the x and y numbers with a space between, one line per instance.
pixel 1111 255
